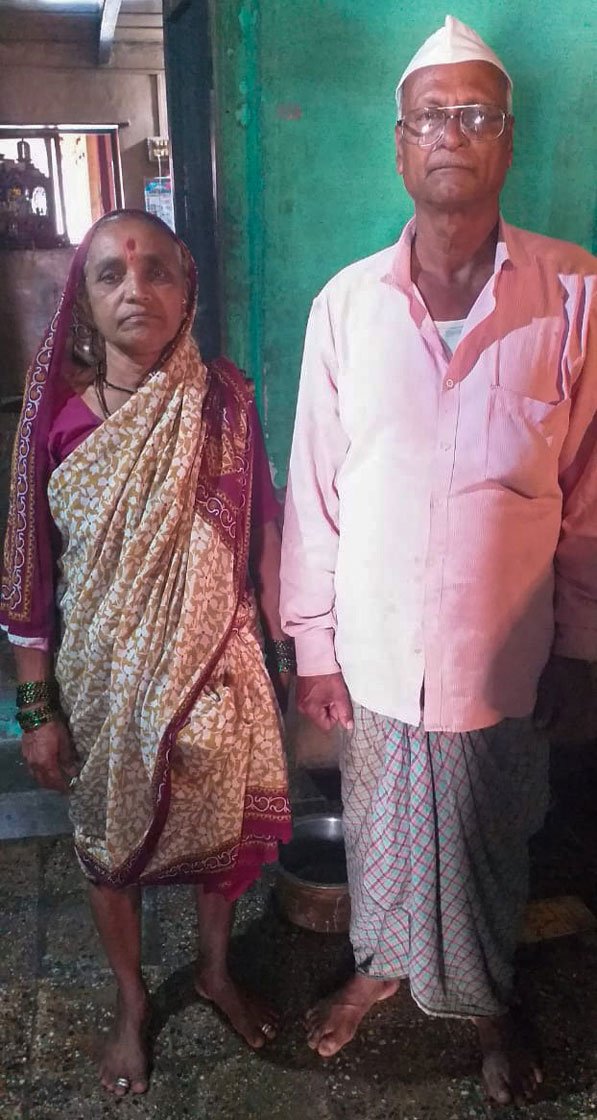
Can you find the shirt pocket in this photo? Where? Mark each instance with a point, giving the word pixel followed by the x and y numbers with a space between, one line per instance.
pixel 524 441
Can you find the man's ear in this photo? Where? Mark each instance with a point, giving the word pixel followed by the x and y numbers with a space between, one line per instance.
pixel 399 144
pixel 510 127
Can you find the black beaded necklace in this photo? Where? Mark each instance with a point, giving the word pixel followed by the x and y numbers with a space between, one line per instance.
pixel 99 384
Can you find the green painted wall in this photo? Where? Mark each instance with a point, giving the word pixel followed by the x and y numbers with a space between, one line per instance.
pixel 306 177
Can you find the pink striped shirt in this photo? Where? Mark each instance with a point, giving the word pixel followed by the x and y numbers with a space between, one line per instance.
pixel 441 520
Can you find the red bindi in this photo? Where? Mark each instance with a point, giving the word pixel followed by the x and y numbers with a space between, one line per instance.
pixel 131 244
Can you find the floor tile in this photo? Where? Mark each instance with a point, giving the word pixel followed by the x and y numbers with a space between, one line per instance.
pixel 177 925
pixel 69 1020
pixel 189 1033
pixel 19 869
pixel 17 1008
pixel 71 945
pixel 19 940
pixel 254 1088
pixel 14 775
pixel 11 1105
pixel 82 1098
pixel 61 873
pixel 35 812
pixel 151 952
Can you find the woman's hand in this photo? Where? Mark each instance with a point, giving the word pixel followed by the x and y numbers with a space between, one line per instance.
pixel 281 683
pixel 265 573
pixel 50 755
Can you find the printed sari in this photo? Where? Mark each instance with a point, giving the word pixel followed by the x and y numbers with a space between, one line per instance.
pixel 159 664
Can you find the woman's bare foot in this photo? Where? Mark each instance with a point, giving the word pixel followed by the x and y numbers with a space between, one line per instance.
pixel 333 1022
pixel 251 1018
pixel 125 1056
pixel 509 1072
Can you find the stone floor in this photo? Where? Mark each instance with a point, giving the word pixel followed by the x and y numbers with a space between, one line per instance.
pixel 56 994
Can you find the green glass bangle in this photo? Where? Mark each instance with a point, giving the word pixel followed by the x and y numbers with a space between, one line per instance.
pixel 286 664
pixel 33 692
pixel 36 717
pixel 281 653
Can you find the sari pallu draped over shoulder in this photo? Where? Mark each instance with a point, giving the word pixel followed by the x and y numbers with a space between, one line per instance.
pixel 159 664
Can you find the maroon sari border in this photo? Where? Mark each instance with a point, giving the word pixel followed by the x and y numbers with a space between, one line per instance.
pixel 230 884
pixel 254 847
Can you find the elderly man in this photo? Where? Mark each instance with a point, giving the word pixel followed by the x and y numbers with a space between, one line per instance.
pixel 440 551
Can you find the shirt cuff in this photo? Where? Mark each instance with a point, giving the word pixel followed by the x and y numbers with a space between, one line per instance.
pixel 572 641
pixel 315 656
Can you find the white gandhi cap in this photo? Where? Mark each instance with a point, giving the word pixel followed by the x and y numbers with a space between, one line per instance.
pixel 454 42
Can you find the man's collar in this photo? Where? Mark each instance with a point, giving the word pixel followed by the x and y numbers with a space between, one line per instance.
pixel 398 275
pixel 510 247
pixel 509 253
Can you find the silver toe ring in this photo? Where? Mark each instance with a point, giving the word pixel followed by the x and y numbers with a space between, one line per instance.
pixel 123 1083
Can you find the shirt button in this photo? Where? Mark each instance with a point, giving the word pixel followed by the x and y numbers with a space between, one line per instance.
pixel 446 446
pixel 449 384
pixel 417 650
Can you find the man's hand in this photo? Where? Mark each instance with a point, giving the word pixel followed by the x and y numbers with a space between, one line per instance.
pixel 325 701
pixel 566 700
pixel 50 755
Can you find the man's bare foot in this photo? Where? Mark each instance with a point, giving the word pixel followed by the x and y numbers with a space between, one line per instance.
pixel 509 1073
pixel 333 1022
pixel 251 1018
pixel 125 1057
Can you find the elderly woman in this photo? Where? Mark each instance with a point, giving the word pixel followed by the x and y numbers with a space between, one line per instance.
pixel 141 498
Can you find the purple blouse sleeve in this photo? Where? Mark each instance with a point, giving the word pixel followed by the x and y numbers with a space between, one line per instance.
pixel 72 424
pixel 265 505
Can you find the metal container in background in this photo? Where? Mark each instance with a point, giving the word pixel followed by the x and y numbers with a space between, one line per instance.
pixel 311 884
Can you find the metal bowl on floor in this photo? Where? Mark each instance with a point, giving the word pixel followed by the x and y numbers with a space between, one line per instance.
pixel 311 885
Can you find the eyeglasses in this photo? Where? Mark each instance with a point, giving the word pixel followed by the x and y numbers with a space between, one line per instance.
pixel 426 126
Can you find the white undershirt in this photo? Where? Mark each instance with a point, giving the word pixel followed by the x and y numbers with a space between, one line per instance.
pixel 449 331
